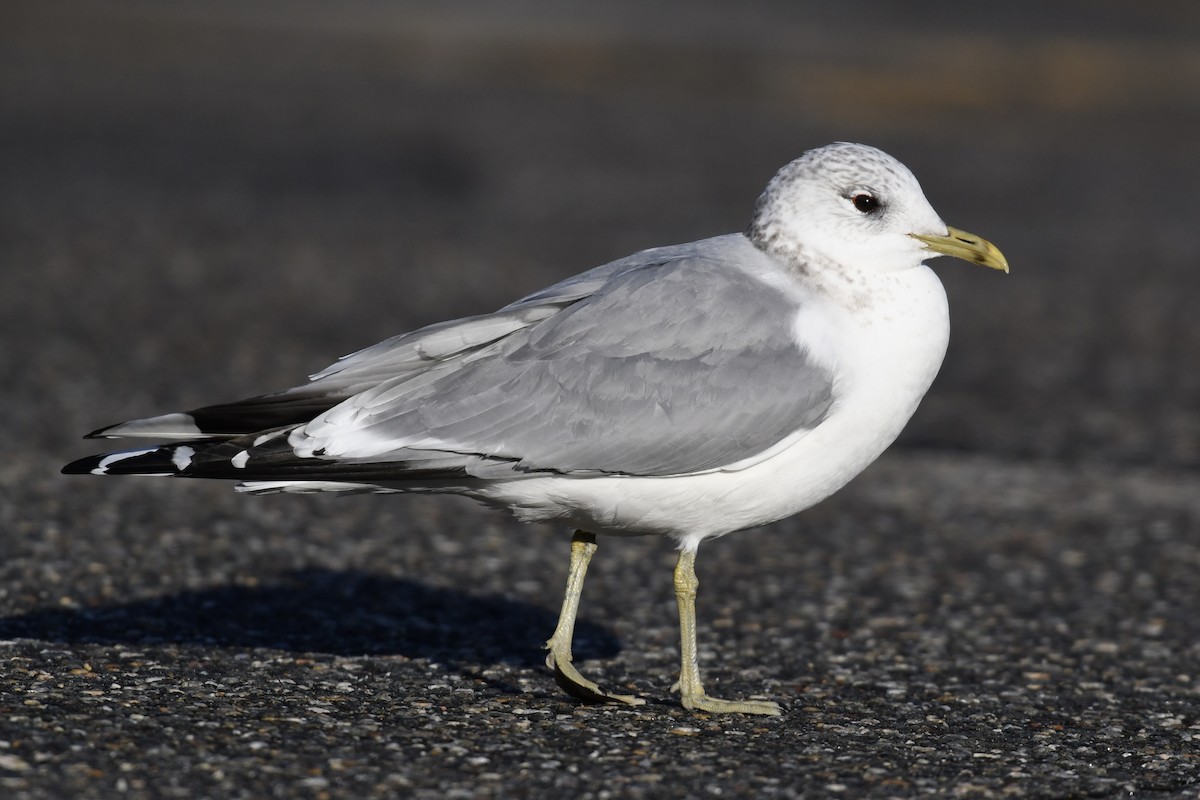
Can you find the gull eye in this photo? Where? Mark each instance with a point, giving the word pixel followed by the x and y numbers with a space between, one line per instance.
pixel 865 202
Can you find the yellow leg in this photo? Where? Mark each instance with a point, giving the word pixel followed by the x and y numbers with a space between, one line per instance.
pixel 583 545
pixel 690 689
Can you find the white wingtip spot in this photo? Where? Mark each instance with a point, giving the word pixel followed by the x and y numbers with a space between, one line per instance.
pixel 266 437
pixel 239 461
pixel 182 457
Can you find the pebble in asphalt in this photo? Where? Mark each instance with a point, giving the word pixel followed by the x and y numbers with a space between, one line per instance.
pixel 1004 605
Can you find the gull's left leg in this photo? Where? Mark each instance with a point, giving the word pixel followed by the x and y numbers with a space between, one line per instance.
pixel 690 688
pixel 583 545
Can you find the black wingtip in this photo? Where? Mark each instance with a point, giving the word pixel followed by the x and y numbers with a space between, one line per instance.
pixel 83 466
pixel 142 461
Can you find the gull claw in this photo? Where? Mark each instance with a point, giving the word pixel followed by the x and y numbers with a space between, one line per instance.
pixel 579 687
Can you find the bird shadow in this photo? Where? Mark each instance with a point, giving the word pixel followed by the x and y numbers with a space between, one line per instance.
pixel 344 613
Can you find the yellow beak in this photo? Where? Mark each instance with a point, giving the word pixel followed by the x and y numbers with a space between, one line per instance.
pixel 966 246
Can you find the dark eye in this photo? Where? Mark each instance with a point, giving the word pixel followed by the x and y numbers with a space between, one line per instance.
pixel 866 203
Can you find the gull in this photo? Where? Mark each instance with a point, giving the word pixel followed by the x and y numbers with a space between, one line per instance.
pixel 688 391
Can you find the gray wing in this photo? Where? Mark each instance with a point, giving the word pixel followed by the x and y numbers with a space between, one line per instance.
pixel 398 358
pixel 677 364
pixel 420 349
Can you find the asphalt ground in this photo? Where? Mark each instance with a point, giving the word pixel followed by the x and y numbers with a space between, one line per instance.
pixel 205 201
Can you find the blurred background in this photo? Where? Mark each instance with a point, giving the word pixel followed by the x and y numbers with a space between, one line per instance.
pixel 201 201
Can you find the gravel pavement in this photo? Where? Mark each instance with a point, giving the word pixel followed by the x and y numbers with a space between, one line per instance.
pixel 205 201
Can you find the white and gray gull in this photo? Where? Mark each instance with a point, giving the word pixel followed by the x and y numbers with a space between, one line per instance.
pixel 687 391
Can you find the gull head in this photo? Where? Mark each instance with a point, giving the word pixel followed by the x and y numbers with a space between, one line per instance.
pixel 861 209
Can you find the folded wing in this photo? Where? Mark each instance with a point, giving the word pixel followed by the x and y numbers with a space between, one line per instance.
pixel 669 362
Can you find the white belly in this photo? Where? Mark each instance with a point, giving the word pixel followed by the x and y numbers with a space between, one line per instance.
pixel 884 356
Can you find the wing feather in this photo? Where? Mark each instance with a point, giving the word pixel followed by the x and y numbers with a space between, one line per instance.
pixel 670 361
pixel 680 365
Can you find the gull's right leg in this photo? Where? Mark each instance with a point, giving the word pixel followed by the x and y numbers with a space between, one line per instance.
pixel 690 688
pixel 583 545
